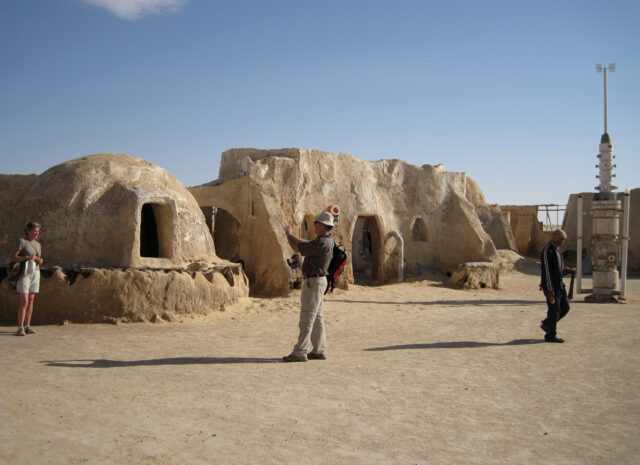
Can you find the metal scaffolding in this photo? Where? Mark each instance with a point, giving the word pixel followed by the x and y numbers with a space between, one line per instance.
pixel 549 210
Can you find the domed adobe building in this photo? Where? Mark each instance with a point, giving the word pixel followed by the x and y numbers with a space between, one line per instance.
pixel 112 210
pixel 115 220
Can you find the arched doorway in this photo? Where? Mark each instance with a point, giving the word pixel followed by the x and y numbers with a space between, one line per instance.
pixel 156 230
pixel 419 232
pixel 366 251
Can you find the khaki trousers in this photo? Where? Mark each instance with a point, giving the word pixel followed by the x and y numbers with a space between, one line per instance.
pixel 311 320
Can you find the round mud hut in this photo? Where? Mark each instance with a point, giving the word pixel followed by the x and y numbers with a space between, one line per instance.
pixel 122 240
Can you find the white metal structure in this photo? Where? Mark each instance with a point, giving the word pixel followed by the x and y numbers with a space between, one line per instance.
pixel 607 252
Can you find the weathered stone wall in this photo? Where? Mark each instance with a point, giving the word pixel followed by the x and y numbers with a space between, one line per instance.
pixel 498 225
pixel 462 238
pixel 476 275
pixel 13 187
pixel 98 295
pixel 260 191
pixel 527 229
pixel 474 194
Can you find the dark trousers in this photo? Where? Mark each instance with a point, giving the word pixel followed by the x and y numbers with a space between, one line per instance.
pixel 556 311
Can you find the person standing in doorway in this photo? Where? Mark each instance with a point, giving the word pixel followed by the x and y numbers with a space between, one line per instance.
pixel 551 271
pixel 29 255
pixel 317 255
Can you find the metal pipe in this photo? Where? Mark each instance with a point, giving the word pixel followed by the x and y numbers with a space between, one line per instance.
pixel 397 235
pixel 579 247
pixel 625 243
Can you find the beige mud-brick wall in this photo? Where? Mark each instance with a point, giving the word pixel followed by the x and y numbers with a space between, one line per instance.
pixel 98 295
pixel 527 229
pixel 262 190
pixel 497 224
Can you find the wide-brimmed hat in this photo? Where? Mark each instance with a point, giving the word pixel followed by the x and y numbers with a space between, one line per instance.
pixel 325 218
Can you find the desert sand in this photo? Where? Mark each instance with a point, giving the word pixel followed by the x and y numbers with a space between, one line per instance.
pixel 417 373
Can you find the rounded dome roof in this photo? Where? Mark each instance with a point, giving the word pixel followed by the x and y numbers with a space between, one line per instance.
pixel 115 210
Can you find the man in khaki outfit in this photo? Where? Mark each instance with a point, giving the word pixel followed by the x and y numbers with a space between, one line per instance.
pixel 317 255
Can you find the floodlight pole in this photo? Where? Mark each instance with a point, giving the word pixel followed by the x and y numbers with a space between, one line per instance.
pixel 604 72
pixel 604 69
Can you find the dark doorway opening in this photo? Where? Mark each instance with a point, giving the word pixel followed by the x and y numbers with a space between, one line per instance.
pixel 226 235
pixel 149 243
pixel 365 246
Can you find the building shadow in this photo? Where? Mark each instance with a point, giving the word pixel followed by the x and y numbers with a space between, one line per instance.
pixel 106 363
pixel 456 345
pixel 527 266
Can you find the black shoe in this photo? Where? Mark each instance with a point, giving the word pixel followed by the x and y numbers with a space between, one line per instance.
pixel 553 339
pixel 293 358
pixel 314 356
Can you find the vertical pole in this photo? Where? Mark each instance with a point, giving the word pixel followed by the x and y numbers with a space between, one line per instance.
pixel 579 246
pixel 605 100
pixel 625 244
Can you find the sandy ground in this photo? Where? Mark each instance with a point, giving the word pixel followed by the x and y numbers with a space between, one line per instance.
pixel 417 373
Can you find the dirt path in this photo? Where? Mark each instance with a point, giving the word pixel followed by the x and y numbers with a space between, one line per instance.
pixel 417 374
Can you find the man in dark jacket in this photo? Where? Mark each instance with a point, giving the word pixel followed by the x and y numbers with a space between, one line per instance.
pixel 551 271
pixel 317 255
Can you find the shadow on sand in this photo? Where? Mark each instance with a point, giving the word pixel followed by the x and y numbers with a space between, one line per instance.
pixel 9 333
pixel 457 345
pixel 106 363
pixel 449 303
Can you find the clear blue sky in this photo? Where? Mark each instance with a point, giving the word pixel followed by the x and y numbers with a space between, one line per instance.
pixel 505 91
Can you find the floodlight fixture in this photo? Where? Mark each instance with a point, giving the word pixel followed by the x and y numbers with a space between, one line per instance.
pixel 611 67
